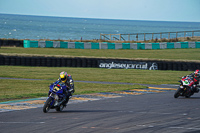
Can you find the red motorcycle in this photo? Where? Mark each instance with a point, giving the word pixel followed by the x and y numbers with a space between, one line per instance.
pixel 185 88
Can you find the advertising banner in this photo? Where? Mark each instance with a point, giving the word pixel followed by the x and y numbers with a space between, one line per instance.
pixel 111 64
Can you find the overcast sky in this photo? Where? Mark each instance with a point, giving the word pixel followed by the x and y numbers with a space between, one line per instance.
pixel 159 10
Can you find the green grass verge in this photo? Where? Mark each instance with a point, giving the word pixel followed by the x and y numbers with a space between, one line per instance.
pixel 165 54
pixel 95 74
pixel 11 89
pixel 22 89
pixel 18 89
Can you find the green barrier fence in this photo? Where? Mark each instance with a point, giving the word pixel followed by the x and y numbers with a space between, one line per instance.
pixel 49 44
pixel 197 44
pixel 155 46
pixel 125 45
pixel 111 46
pixel 106 45
pixel 79 45
pixel 30 44
pixel 170 45
pixel 184 44
pixel 26 44
pixel 63 44
pixel 141 46
pixel 94 45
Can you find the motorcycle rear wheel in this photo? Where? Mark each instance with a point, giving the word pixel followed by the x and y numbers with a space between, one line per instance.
pixel 46 106
pixel 60 108
pixel 187 96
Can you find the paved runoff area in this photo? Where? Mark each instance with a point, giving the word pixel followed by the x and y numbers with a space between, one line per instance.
pixel 39 102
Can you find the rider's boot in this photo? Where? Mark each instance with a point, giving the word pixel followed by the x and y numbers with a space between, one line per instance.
pixel 70 94
pixel 71 91
pixel 65 102
pixel 64 99
pixel 195 89
pixel 68 97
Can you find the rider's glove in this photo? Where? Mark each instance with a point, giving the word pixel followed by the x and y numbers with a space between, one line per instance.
pixel 50 84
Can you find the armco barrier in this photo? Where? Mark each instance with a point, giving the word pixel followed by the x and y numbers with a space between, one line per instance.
pixel 97 63
pixel 106 45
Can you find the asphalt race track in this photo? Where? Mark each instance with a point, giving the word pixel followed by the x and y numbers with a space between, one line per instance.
pixel 146 113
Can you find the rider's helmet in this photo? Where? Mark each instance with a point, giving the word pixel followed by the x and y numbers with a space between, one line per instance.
pixel 197 73
pixel 63 76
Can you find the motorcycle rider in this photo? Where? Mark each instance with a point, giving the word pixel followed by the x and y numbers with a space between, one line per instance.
pixel 68 81
pixel 195 78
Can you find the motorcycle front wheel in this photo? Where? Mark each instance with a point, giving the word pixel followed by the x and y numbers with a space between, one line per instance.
pixel 177 93
pixel 46 106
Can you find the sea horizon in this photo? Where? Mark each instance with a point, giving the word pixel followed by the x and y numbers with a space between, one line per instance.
pixel 20 26
pixel 97 18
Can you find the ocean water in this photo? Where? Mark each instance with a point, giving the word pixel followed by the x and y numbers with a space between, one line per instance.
pixel 65 28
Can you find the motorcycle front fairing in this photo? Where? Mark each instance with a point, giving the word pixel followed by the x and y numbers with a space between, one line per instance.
pixel 56 91
pixel 59 89
pixel 183 86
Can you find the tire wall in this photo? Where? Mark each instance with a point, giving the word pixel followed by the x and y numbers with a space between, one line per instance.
pixel 16 43
pixel 96 63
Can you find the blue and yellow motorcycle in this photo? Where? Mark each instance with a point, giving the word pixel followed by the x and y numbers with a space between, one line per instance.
pixel 56 97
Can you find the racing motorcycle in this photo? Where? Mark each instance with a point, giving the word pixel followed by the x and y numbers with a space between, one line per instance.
pixel 185 87
pixel 55 97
